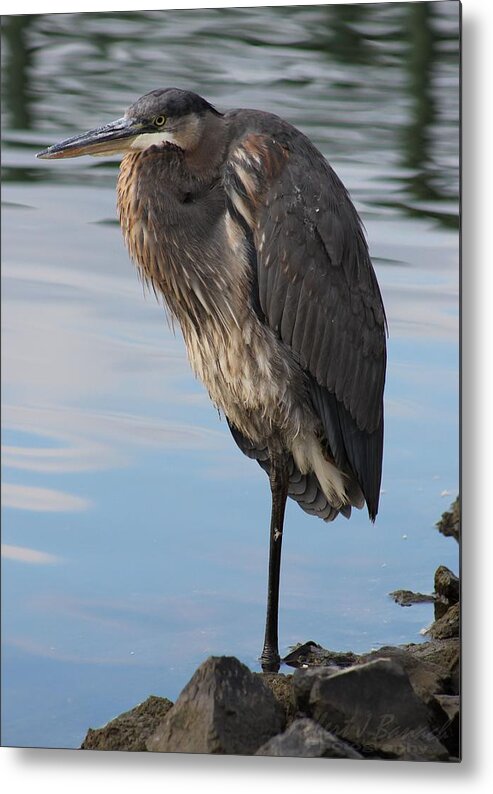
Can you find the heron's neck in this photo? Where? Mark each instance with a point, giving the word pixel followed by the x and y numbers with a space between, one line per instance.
pixel 169 215
pixel 206 156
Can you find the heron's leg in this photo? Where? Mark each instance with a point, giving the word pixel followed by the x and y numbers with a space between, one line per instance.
pixel 279 480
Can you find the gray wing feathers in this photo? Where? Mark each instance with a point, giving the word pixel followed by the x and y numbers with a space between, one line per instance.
pixel 303 488
pixel 318 291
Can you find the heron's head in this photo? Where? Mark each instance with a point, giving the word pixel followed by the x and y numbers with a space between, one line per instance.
pixel 167 116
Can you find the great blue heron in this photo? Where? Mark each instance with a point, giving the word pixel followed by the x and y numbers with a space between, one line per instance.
pixel 239 222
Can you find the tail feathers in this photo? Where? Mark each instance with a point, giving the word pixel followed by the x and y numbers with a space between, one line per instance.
pixel 304 488
pixel 353 449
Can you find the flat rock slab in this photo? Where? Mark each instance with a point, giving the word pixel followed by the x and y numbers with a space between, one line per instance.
pixel 374 707
pixel 224 709
pixel 445 654
pixel 130 730
pixel 312 654
pixel 406 598
pixel 426 677
pixel 306 739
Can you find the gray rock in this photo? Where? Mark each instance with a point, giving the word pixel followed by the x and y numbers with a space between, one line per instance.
pixel 426 677
pixel 447 720
pixel 281 687
pixel 449 524
pixel 129 731
pixel 450 704
pixel 224 709
pixel 303 681
pixel 374 707
pixel 312 654
pixel 454 678
pixel 406 598
pixel 306 739
pixel 445 654
pixel 447 590
pixel 447 626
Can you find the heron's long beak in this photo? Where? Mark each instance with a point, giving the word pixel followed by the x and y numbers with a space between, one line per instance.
pixel 113 138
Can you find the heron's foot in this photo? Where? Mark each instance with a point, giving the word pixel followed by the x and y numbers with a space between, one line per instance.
pixel 270 660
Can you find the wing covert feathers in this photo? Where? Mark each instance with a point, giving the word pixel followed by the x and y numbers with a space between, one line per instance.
pixel 318 290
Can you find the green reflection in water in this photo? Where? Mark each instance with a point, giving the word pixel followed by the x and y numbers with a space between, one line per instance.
pixel 369 51
pixel 16 72
pixel 418 138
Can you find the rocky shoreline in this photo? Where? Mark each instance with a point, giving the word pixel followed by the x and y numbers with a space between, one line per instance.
pixel 397 702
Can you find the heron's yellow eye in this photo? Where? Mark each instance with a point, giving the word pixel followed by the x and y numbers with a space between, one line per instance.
pixel 159 121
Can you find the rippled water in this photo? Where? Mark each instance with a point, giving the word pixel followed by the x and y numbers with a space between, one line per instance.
pixel 134 532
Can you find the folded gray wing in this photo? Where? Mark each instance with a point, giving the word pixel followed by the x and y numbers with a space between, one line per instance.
pixel 317 289
pixel 317 286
